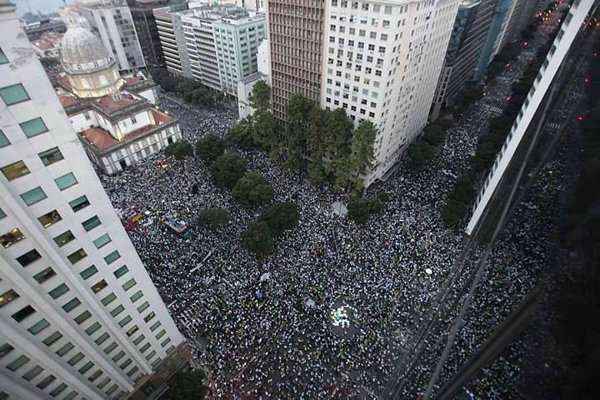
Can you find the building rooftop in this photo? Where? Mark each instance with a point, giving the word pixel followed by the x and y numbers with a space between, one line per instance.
pixel 227 13
pixel 48 40
pixel 102 141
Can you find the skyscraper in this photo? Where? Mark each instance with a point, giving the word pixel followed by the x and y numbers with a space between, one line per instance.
pixel 296 39
pixel 79 315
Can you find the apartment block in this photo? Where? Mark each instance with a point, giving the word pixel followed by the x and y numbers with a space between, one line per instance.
pixel 79 316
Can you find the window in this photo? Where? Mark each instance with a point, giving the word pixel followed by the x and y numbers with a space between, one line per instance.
pixel 79 203
pixel 161 334
pixel 121 271
pixel 11 237
pixel 71 304
pixel 33 196
pixel 71 395
pixel 108 299
pixel 131 331
pixel 143 307
pixel 139 339
pixel 38 326
pixel 90 330
pixel 110 348
pixel 3 58
pixel 125 364
pixel 8 297
pixel 13 94
pixel 75 359
pixel 29 257
pixel 65 349
pixel 102 338
pixel 44 275
pixel 91 223
pixel 102 241
pixel 46 382
pixel 81 318
pixel 64 238
pixel 88 272
pixel 77 256
pixel 49 219
pixel 112 257
pixel 165 342
pixel 129 284
pixel 53 338
pixel 145 347
pixel 33 127
pixel 118 356
pixel 133 371
pixel 149 317
pixel 5 349
pixel 117 310
pixel 50 156
pixel 32 373
pixel 86 367
pixel 95 375
pixel 58 291
pixel 15 170
pixel 18 363
pixel 150 355
pixel 125 321
pixel 66 181
pixel 58 390
pixel 136 296
pixel 3 140
pixel 155 326
pixel 99 286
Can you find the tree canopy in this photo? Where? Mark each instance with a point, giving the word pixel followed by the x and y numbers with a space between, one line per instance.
pixel 258 238
pixel 281 217
pixel 214 218
pixel 209 148
pixel 228 169
pixel 188 385
pixel 180 149
pixel 252 190
pixel 260 97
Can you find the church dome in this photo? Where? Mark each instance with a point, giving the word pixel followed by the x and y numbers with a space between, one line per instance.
pixel 83 52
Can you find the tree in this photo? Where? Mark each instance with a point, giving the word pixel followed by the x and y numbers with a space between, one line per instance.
pixel 180 149
pixel 281 217
pixel 299 107
pixel 264 129
pixel 420 153
pixel 363 143
pixel 458 202
pixel 243 134
pixel 339 127
pixel 228 169
pixel 258 238
pixel 434 135
pixel 209 148
pixel 260 97
pixel 188 385
pixel 214 218
pixel 252 190
pixel 359 210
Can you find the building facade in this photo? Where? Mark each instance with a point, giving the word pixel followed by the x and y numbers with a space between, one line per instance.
pixel 147 29
pixel 112 21
pixel 296 39
pixel 79 315
pixel 381 62
pixel 172 40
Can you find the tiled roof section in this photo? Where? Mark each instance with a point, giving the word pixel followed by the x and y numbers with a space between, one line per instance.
pixel 109 104
pixel 99 138
pixel 68 101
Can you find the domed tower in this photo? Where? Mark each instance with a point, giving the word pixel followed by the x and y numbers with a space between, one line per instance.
pixel 91 70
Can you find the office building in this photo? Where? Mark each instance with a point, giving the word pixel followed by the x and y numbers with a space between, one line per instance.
pixel 147 29
pixel 295 33
pixel 381 62
pixel 112 21
pixel 79 315
pixel 222 43
pixel 467 41
pixel 245 86
pixel 172 41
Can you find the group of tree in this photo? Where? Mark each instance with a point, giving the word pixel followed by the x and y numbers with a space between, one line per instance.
pixel 188 385
pixel 214 218
pixel 360 208
pixel 190 90
pixel 260 236
pixel 323 144
pixel 180 149
pixel 424 149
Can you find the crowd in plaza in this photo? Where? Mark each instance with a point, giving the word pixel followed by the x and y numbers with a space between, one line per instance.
pixel 264 329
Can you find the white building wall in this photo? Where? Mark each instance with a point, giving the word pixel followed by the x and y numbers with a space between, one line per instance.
pixel 381 62
pixel 33 289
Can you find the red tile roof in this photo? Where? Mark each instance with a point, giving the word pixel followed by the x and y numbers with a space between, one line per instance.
pixel 99 138
pixel 110 105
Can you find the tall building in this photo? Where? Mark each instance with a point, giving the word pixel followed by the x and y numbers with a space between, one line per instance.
pixel 222 43
pixel 172 40
pixel 496 32
pixel 147 29
pixel 295 32
pixel 113 22
pixel 79 315
pixel 464 50
pixel 381 62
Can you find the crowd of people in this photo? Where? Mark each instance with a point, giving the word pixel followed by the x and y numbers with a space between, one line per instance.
pixel 263 329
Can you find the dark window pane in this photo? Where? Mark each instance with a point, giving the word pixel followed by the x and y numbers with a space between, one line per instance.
pixel 64 238
pixel 11 237
pixel 77 256
pixel 99 286
pixel 50 156
pixel 15 170
pixel 49 219
pixel 29 257
pixel 71 304
pixel 79 203
pixel 23 313
pixel 44 275
pixel 7 297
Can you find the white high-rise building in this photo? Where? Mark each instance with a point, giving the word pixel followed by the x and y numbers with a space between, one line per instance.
pixel 79 315
pixel 113 22
pixel 381 62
